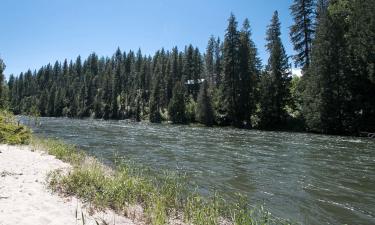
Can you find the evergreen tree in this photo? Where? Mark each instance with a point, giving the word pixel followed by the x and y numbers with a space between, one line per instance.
pixel 361 41
pixel 11 84
pixel 218 54
pixel 302 31
pixel 326 91
pixel 275 83
pixel 58 103
pixel 248 73
pixel 204 112
pixel 231 68
pixel 43 101
pixel 209 61
pixel 154 115
pixel 176 108
pixel 51 101
pixel 2 68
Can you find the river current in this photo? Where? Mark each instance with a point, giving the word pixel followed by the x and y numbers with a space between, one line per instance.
pixel 308 178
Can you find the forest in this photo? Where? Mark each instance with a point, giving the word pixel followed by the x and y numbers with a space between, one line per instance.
pixel 226 84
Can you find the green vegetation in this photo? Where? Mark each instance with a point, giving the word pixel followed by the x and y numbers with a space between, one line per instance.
pixel 11 132
pixel 302 31
pixel 162 196
pixel 339 85
pixel 62 151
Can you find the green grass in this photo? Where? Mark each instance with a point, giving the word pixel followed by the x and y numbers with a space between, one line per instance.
pixel 11 132
pixel 64 152
pixel 162 196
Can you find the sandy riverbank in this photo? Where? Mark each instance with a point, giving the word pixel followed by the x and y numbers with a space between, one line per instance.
pixel 26 200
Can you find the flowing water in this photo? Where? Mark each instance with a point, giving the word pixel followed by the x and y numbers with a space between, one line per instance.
pixel 308 178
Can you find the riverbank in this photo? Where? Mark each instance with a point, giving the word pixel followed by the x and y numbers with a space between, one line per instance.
pixel 26 199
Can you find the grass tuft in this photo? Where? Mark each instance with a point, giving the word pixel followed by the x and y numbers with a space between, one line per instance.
pixel 64 152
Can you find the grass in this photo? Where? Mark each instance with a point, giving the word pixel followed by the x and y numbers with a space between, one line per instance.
pixel 161 197
pixel 11 132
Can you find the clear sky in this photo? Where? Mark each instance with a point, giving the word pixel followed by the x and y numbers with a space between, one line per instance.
pixel 36 32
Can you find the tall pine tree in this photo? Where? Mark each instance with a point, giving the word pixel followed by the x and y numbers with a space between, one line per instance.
pixel 325 98
pixel 231 71
pixel 248 73
pixel 302 31
pixel 176 108
pixel 275 83
pixel 2 68
pixel 204 112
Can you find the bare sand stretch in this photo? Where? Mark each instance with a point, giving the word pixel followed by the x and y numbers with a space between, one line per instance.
pixel 25 199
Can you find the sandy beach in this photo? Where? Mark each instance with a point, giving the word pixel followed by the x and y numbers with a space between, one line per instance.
pixel 26 200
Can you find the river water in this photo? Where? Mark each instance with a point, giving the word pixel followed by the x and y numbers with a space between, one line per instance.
pixel 308 178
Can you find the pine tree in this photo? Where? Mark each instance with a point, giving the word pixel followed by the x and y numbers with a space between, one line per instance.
pixel 154 115
pixel 248 73
pixel 198 68
pixel 230 80
pixel 361 40
pixel 58 103
pixel 11 84
pixel 176 108
pixel 2 68
pixel 51 101
pixel 209 61
pixel 204 112
pixel 218 54
pixel 275 83
pixel 302 31
pixel 326 92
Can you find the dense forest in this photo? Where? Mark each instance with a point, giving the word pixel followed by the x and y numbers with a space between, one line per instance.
pixel 227 84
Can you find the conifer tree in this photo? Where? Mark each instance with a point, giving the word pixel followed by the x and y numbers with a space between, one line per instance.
pixel 302 31
pixel 154 115
pixel 176 108
pixel 218 54
pixel 248 73
pixel 230 80
pixel 361 41
pixel 326 92
pixel 2 68
pixel 209 61
pixel 204 112
pixel 11 84
pixel 275 83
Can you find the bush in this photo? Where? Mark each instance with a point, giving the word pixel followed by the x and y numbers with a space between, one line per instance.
pixel 11 132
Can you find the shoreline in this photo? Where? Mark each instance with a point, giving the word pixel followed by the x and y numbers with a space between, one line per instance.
pixel 196 124
pixel 50 182
pixel 25 198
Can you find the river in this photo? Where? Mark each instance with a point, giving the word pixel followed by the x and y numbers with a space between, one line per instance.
pixel 308 178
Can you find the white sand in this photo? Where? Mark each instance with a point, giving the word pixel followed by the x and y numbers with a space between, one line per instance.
pixel 25 199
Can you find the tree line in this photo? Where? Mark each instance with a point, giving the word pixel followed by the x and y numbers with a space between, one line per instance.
pixel 227 84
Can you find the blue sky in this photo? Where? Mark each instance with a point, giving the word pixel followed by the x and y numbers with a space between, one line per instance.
pixel 36 32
